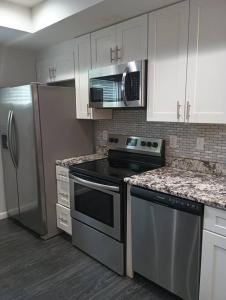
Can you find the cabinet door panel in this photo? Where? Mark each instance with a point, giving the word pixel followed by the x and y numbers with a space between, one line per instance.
pixel 82 65
pixel 64 60
pixel 65 68
pixel 167 63
pixel 43 68
pixel 206 90
pixel 213 267
pixel 132 39
pixel 101 43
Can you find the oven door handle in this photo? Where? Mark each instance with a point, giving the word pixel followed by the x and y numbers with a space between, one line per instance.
pixel 94 184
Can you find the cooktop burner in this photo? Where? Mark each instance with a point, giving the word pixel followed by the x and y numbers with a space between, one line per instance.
pixel 128 156
pixel 107 169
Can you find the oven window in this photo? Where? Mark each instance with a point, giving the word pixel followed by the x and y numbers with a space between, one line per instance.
pixel 95 204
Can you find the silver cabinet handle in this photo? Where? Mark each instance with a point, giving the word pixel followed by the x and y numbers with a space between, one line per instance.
pixel 64 195
pixel 94 184
pixel 54 74
pixel 118 51
pixel 112 51
pixel 88 110
pixel 188 113
pixel 178 111
pixel 50 74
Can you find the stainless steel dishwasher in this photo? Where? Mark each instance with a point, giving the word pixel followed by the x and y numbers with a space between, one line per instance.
pixel 166 241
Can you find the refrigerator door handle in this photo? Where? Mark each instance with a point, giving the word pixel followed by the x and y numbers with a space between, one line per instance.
pixel 9 137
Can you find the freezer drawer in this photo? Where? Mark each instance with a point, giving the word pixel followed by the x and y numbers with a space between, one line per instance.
pixel 64 218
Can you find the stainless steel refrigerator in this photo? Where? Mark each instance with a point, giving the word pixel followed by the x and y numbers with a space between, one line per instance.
pixel 38 125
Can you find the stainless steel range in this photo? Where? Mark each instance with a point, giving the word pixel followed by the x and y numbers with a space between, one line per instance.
pixel 98 196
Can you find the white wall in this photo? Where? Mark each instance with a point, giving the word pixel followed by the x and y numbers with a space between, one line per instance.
pixel 51 11
pixel 17 67
pixel 15 16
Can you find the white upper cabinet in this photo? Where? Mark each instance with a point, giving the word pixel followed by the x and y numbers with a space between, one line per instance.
pixel 56 63
pixel 167 63
pixel 120 43
pixel 206 88
pixel 45 70
pixel 131 39
pixel 82 65
pixel 103 47
pixel 64 61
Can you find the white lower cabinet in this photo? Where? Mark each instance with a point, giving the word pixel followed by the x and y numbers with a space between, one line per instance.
pixel 213 263
pixel 63 193
pixel 64 218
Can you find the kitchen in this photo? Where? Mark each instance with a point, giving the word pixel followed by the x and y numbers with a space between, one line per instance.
pixel 118 191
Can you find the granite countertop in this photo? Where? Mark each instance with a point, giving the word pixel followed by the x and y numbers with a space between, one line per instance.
pixel 80 159
pixel 209 189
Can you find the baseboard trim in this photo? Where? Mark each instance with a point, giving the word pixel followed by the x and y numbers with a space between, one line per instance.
pixel 3 215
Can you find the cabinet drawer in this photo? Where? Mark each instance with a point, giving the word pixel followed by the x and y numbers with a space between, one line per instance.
pixel 63 218
pixel 63 193
pixel 215 220
pixel 62 173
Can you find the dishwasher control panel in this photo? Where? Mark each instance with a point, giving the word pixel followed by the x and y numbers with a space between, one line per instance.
pixel 168 200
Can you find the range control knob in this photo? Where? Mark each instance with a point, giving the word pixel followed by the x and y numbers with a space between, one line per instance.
pixel 143 143
pixel 155 145
pixel 149 144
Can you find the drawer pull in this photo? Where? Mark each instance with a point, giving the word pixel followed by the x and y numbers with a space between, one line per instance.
pixel 63 220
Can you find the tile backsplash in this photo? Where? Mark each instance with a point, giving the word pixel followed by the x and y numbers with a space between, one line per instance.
pixel 133 122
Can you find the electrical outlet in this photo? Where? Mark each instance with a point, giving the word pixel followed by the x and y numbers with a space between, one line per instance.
pixel 200 143
pixel 173 141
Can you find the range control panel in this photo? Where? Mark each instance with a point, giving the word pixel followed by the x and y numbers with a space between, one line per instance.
pixel 151 146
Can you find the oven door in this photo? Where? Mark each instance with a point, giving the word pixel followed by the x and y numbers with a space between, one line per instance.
pixel 97 205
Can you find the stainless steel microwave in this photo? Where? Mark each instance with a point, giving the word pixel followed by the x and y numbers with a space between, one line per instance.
pixel 117 86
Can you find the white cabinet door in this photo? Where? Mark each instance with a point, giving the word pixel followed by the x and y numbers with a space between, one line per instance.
pixel 64 218
pixel 213 267
pixel 132 39
pixel 206 92
pixel 64 61
pixel 64 69
pixel 167 63
pixel 103 44
pixel 44 70
pixel 82 66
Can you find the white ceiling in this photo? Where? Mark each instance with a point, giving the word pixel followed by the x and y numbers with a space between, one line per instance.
pixel 7 35
pixel 28 3
pixel 103 14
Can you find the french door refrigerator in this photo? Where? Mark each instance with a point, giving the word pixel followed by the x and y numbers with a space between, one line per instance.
pixel 38 125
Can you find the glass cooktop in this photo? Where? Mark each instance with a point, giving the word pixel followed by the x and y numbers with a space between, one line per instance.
pixel 111 170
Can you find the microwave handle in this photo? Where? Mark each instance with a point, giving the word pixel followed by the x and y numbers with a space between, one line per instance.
pixel 123 87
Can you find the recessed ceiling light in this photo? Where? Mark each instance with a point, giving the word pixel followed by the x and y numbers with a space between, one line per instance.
pixel 28 3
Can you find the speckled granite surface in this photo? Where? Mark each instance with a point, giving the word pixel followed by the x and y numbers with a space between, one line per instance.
pixel 205 188
pixel 198 166
pixel 80 159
